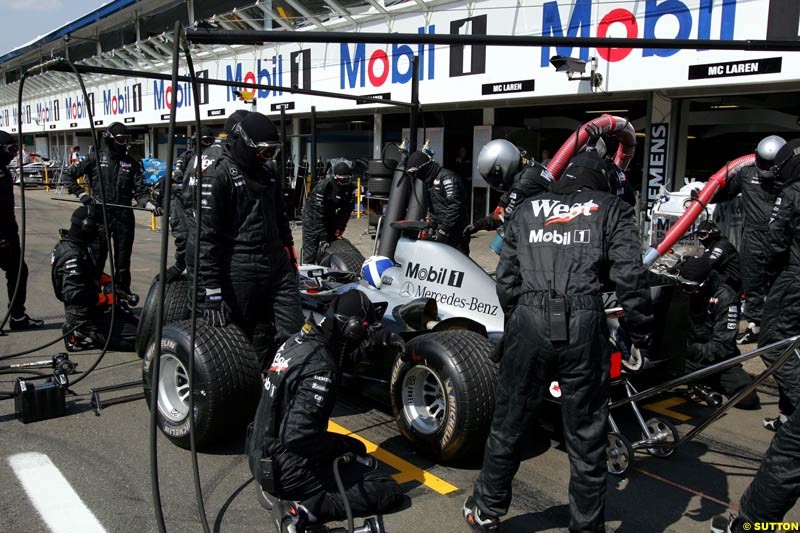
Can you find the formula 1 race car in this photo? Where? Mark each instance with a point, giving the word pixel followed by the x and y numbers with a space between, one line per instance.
pixel 443 304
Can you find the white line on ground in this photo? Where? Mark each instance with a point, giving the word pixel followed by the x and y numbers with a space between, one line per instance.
pixel 52 495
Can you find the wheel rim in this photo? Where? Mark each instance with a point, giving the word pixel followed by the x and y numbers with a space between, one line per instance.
pixel 173 389
pixel 660 432
pixel 618 454
pixel 424 402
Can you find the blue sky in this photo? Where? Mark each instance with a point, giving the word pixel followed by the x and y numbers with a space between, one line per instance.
pixel 24 20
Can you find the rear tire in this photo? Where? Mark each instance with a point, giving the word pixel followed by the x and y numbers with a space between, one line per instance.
pixel 176 307
pixel 443 396
pixel 347 253
pixel 226 385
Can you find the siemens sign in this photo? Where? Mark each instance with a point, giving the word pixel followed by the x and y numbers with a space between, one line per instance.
pixel 694 18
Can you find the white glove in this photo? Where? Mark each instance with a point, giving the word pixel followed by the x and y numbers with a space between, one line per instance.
pixel 157 211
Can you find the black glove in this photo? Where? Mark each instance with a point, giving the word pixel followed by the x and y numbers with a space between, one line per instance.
pixel 174 272
pixel 482 224
pixel 215 311
pixel 396 342
pixel 435 235
pixel 364 460
pixel 157 211
pixel 86 199
pixel 594 130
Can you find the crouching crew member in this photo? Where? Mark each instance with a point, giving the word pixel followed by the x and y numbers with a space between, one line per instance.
pixel 721 253
pixel 290 452
pixel 77 282
pixel 713 325
pixel 561 248
pixel 327 212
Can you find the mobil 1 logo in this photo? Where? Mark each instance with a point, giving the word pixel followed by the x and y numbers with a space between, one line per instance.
pixel 432 274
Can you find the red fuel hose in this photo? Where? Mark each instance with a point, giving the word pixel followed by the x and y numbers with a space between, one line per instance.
pixel 607 123
pixel 717 181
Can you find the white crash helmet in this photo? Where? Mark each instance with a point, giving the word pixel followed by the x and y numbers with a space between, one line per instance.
pixel 498 162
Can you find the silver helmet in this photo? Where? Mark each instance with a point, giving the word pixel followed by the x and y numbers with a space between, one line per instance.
pixel 498 162
pixel 765 154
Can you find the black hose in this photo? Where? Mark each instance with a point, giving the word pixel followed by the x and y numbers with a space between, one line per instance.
pixel 198 488
pixel 105 227
pixel 26 352
pixel 156 363
pixel 21 263
pixel 337 476
pixel 90 116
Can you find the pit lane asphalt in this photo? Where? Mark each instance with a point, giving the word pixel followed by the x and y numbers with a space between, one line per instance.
pixel 105 458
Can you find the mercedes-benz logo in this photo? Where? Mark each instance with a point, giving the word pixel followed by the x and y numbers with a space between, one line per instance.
pixel 406 289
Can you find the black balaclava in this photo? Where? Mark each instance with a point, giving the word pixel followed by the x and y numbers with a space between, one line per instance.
pixel 342 173
pixel 787 162
pixel 5 139
pixel 117 150
pixel 258 128
pixel 352 304
pixel 82 226
pixel 612 144
pixel 426 167
pixel 707 233
pixel 206 133
pixel 585 171
pixel 233 120
pixel 694 275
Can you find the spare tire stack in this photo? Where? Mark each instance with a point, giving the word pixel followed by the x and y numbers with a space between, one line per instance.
pixel 378 186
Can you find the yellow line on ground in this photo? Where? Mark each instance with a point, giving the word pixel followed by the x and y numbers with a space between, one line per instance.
pixel 664 407
pixel 407 471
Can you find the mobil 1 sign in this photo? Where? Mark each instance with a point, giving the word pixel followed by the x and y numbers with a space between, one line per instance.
pixel 769 65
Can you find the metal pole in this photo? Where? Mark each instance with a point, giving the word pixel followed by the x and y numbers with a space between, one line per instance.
pixel 313 161
pixel 272 36
pixel 414 113
pixel 283 146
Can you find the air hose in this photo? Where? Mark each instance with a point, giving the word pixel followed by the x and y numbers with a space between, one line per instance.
pixel 23 214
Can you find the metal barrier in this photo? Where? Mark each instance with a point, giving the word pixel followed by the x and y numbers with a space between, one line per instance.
pixel 790 346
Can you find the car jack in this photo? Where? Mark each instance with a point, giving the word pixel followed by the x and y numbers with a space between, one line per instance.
pixel 98 403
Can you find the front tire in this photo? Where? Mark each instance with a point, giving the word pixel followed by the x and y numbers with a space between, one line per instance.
pixel 226 384
pixel 443 396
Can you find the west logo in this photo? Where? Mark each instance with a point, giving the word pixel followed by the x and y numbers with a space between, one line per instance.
pixel 557 213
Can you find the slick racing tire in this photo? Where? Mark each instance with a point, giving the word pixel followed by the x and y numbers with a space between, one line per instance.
pixel 443 395
pixel 379 186
pixel 176 307
pixel 343 254
pixel 376 168
pixel 226 388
